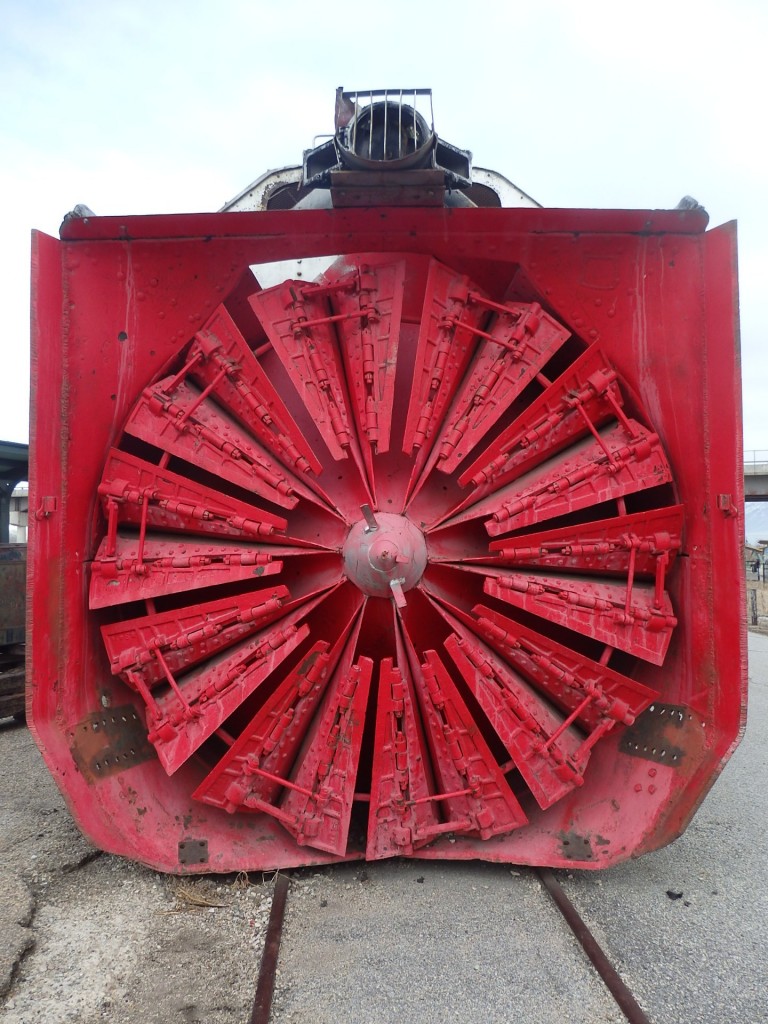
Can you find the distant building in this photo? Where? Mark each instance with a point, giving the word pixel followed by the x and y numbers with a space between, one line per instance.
pixel 19 514
pixel 754 558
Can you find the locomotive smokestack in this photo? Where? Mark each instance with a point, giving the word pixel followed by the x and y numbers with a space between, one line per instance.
pixel 385 131
pixel 385 151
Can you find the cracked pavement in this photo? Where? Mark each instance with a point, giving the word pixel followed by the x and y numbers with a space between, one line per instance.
pixel 87 937
pixel 38 840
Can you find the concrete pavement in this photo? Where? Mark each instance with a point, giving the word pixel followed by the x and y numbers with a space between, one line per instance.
pixel 85 936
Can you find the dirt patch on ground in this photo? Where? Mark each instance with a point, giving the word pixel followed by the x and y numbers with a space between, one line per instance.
pixel 87 937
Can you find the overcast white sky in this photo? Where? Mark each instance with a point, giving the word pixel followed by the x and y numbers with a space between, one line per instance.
pixel 161 107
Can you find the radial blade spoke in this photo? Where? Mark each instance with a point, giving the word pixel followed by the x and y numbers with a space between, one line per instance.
pixel 223 361
pixel 566 677
pixel 543 747
pixel 619 462
pixel 135 491
pixel 542 742
pixel 317 807
pixel 516 346
pixel 563 674
pixel 300 325
pixel 635 619
pixel 584 397
pixel 644 543
pixel 150 654
pixel 184 423
pixel 403 813
pixel 186 714
pixel 250 773
pixel 392 470
pixel 144 567
pixel 254 772
pixel 370 306
pixel 147 647
pixel 447 339
pixel 344 483
pixel 470 785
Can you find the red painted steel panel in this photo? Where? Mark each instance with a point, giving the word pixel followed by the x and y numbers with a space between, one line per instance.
pixel 583 398
pixel 222 362
pixel 129 570
pixel 403 814
pixel 548 398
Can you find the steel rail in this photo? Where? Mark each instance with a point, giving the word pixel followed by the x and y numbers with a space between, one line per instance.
pixel 265 986
pixel 624 998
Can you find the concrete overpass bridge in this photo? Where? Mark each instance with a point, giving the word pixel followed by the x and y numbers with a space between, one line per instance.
pixel 756 475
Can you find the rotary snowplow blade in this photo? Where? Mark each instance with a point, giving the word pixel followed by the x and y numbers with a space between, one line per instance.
pixel 415 559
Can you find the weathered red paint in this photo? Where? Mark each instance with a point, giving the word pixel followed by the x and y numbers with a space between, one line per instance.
pixel 548 399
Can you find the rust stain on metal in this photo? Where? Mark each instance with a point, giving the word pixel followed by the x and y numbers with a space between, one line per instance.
pixel 108 742
pixel 193 851
pixel 574 846
pixel 666 734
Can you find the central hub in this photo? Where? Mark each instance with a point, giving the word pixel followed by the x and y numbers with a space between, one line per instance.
pixel 387 558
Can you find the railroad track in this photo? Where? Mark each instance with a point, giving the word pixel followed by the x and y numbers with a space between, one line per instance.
pixel 600 961
pixel 625 1000
pixel 265 986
